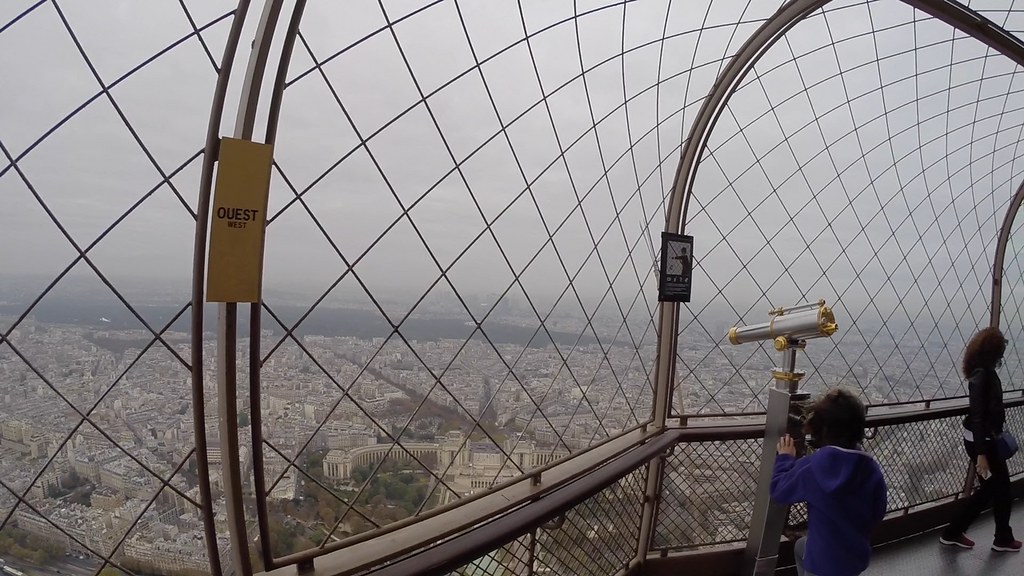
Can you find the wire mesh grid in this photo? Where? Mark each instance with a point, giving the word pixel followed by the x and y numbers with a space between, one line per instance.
pixel 707 494
pixel 1015 425
pixel 596 537
pixel 868 159
pixel 97 458
pixel 709 487
pixel 513 559
pixel 926 461
pixel 599 536
pixel 588 183
pixel 516 158
pixel 921 461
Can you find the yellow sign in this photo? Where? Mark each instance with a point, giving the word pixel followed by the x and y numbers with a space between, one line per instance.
pixel 235 264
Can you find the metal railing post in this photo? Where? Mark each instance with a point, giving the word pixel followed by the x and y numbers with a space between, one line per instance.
pixel 768 518
pixel 532 556
pixel 664 377
pixel 655 472
pixel 256 312
pixel 199 283
pixel 1000 256
pixel 227 328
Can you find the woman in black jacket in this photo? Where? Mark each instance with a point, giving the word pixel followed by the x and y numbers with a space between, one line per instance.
pixel 982 425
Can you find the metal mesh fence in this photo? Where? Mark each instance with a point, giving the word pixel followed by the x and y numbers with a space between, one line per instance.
pixel 472 192
pixel 513 559
pixel 867 159
pixel 97 454
pixel 509 164
pixel 599 536
pixel 596 538
pixel 709 487
pixel 921 461
pixel 707 494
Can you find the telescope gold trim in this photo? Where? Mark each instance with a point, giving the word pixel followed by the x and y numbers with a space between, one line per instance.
pixel 827 320
pixel 793 325
pixel 788 376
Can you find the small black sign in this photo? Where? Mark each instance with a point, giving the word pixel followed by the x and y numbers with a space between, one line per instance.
pixel 676 268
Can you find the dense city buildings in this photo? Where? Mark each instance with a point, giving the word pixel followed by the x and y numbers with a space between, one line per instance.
pixel 359 431
pixel 444 417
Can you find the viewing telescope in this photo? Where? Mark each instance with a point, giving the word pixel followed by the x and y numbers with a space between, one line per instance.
pixel 789 329
pixel 789 325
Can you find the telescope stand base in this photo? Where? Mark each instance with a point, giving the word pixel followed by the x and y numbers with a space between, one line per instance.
pixel 764 566
pixel 769 518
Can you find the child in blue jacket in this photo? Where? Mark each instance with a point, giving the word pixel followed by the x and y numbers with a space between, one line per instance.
pixel 842 485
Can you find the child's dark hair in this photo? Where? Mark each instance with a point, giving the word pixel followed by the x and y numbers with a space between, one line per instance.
pixel 836 419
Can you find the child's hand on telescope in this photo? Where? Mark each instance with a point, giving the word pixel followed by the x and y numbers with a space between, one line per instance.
pixel 786 446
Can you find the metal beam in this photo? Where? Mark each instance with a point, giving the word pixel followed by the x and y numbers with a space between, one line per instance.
pixel 975 24
pixel 789 15
pixel 227 333
pixel 457 552
pixel 1000 257
pixel 359 553
pixel 199 283
pixel 256 311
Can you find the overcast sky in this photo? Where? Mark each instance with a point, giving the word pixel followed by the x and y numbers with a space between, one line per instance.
pixel 925 166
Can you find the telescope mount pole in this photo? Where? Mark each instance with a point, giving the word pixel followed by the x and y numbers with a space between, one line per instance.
pixel 784 415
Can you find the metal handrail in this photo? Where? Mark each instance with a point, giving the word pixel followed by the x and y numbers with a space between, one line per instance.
pixel 526 510
pixel 873 416
pixel 364 551
pixel 895 418
pixel 480 541
pixel 684 420
pixel 930 413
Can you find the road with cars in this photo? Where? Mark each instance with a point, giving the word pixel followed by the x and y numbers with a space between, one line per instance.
pixel 64 566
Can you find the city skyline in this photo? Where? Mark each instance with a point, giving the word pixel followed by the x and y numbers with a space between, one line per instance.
pixel 460 267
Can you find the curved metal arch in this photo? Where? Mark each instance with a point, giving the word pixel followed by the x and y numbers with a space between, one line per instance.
pixel 789 15
pixel 949 11
pixel 725 85
pixel 199 283
pixel 675 219
pixel 1000 258
pixel 738 67
pixel 226 358
pixel 255 310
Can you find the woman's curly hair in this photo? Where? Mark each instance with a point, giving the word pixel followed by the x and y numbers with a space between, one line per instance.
pixel 985 350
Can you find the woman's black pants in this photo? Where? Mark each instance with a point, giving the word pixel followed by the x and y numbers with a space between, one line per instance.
pixel 995 491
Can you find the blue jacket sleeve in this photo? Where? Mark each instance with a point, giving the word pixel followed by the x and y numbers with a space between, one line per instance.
pixel 787 485
pixel 881 497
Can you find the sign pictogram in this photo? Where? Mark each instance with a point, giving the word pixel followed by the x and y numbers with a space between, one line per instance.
pixel 676 268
